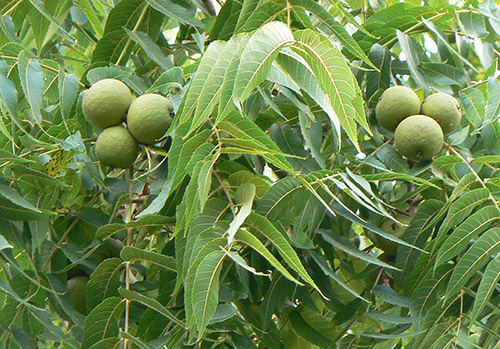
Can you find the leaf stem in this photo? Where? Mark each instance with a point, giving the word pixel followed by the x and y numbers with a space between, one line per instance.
pixel 128 219
pixel 129 40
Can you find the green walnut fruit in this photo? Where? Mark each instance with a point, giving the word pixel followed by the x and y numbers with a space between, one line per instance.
pixel 77 292
pixel 116 147
pixel 418 137
pixel 106 102
pixel 395 104
pixel 149 117
pixel 443 108
pixel 391 227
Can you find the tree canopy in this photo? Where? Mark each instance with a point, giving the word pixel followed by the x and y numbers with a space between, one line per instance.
pixel 275 211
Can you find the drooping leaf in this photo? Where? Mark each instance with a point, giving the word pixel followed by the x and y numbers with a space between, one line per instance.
pixel 266 228
pixel 152 50
pixel 335 78
pixel 103 282
pixel 473 260
pixel 206 284
pixel 130 253
pixel 469 229
pixel 150 303
pixel 486 288
pixel 31 76
pixel 103 321
pixel 252 241
pixel 176 11
pixel 246 195
pixel 262 48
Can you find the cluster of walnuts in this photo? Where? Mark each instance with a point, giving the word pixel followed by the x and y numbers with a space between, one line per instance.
pixel 126 120
pixel 419 127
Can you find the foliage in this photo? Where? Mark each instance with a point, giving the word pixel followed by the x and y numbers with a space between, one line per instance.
pixel 252 223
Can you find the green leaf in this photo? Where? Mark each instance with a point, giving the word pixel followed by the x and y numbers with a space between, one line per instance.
pixel 325 18
pixel 491 138
pixel 190 99
pixel 486 288
pixel 8 92
pixel 442 39
pixel 335 78
pixel 493 101
pixel 152 50
pixel 409 47
pixel 252 241
pixel 4 244
pixel 378 81
pixel 130 253
pixel 103 282
pixel 175 11
pixel 290 143
pixel 268 230
pixel 201 228
pixel 103 321
pixel 460 210
pixel 473 260
pixel 224 312
pixel 327 270
pixel 107 343
pixel 392 319
pixel 261 50
pixel 473 23
pixel 68 92
pixel 417 234
pixel 206 284
pixel 13 196
pixel 31 76
pixel 388 295
pixel 247 132
pixel 39 230
pixel 100 73
pixel 470 228
pixel 226 20
pixel 226 104
pixel 436 325
pixel 151 304
pixel 262 14
pixel 309 332
pixel 428 291
pixel 171 79
pixel 343 244
pixel 473 102
pixel 11 211
pixel 246 195
pixel 210 94
pixel 114 46
pixel 444 74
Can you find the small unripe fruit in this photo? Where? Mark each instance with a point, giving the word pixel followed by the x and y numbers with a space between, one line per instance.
pixel 116 147
pixel 395 104
pixel 106 102
pixel 149 117
pixel 77 292
pixel 443 108
pixel 418 137
pixel 391 227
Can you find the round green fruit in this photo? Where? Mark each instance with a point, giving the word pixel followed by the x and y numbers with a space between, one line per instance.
pixel 149 117
pixel 391 227
pixel 106 102
pixel 443 108
pixel 418 137
pixel 116 147
pixel 395 104
pixel 77 292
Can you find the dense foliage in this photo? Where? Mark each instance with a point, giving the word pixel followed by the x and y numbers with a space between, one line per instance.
pixel 254 223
